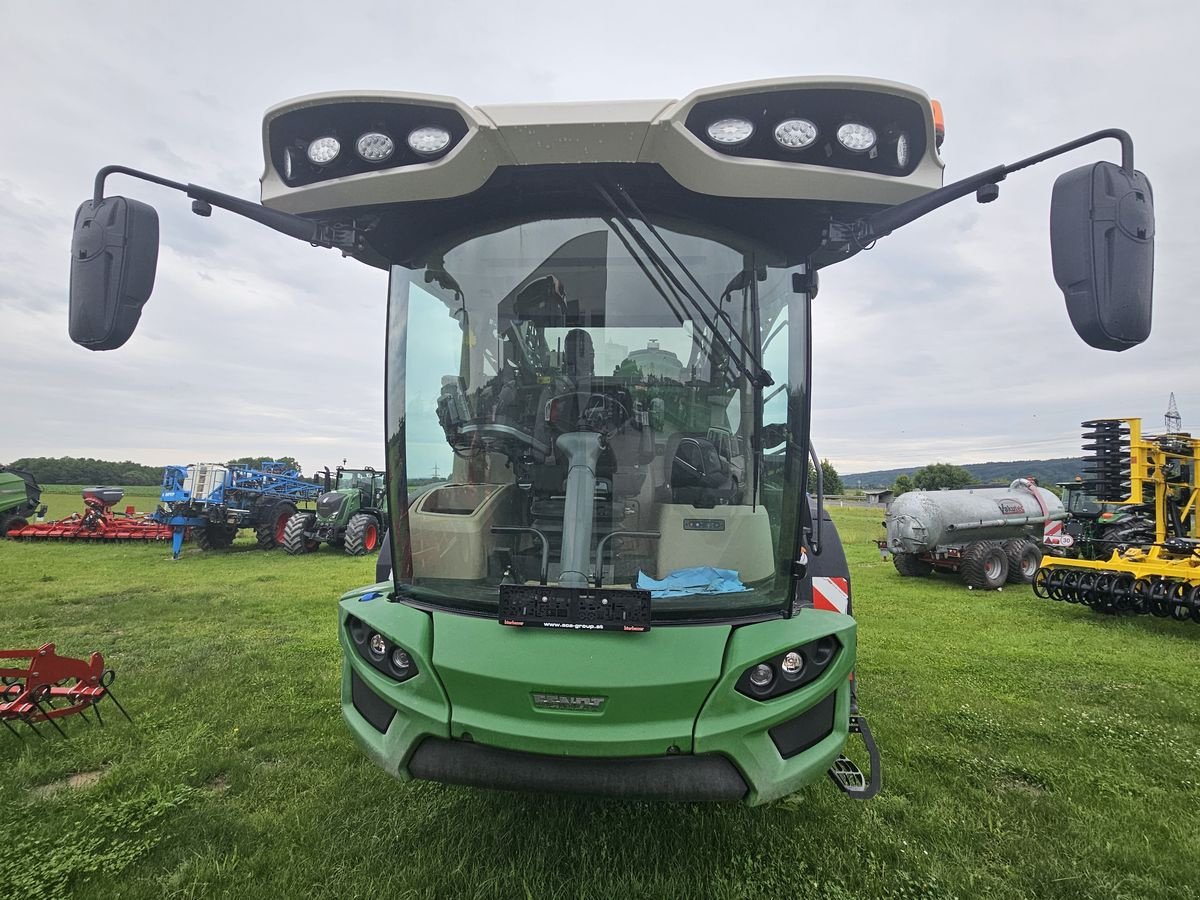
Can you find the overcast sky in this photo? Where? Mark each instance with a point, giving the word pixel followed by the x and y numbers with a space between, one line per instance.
pixel 947 342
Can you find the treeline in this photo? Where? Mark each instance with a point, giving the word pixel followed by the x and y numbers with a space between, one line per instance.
pixel 84 470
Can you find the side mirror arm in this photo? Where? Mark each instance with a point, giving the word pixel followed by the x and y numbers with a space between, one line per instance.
pixel 303 229
pixel 859 234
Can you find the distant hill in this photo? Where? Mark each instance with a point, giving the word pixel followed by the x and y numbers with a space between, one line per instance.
pixel 1047 471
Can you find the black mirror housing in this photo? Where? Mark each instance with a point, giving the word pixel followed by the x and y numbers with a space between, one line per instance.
pixel 114 254
pixel 1102 241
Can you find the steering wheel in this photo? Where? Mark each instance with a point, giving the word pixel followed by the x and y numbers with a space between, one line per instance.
pixel 497 436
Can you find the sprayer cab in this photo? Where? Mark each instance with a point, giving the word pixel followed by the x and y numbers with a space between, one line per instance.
pixel 598 324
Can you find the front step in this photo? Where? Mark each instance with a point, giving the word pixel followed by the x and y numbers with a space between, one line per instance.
pixel 848 776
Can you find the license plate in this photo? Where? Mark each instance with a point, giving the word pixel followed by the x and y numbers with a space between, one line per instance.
pixel 574 609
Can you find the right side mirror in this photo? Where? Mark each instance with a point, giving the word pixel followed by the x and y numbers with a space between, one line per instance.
pixel 114 252
pixel 1102 242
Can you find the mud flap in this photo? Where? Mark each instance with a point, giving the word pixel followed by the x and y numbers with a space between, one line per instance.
pixel 848 776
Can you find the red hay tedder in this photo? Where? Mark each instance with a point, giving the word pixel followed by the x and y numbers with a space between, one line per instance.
pixel 98 522
pixel 45 687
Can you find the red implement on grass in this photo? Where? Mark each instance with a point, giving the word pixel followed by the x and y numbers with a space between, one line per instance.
pixel 98 522
pixel 45 687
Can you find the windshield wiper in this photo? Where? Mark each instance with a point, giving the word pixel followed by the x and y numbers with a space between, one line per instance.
pixel 759 377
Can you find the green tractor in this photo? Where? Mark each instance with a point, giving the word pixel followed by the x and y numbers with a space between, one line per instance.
pixel 1094 528
pixel 351 515
pixel 19 496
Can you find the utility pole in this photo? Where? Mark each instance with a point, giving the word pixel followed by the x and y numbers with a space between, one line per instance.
pixel 1173 419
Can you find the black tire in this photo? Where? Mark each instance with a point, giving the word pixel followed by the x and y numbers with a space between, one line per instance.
pixel 294 541
pixel 272 522
pixel 11 523
pixel 910 565
pixel 362 534
pixel 984 566
pixel 213 537
pixel 1024 559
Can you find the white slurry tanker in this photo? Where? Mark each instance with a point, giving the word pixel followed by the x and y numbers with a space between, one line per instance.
pixel 989 535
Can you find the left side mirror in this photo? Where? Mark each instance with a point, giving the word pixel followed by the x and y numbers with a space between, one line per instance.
pixel 114 253
pixel 1102 242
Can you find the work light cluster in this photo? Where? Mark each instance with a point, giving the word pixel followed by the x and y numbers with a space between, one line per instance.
pixel 800 134
pixel 386 656
pixel 377 147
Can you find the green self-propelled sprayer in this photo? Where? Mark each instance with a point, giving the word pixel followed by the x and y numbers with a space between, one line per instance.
pixel 599 323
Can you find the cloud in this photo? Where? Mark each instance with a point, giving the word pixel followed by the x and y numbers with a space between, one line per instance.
pixel 949 338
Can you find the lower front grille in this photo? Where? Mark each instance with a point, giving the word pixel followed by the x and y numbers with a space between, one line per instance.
pixel 370 705
pixel 806 730
pixel 680 777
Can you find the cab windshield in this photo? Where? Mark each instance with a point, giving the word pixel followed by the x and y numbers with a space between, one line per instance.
pixel 592 412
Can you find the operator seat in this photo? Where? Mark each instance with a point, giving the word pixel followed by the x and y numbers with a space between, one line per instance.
pixel 695 473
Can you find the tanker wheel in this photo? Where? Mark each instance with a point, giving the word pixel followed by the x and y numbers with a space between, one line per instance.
pixel 362 534
pixel 984 566
pixel 910 565
pixel 1024 557
pixel 11 523
pixel 294 541
pixel 272 523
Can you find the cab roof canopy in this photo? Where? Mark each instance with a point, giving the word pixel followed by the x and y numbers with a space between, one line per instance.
pixel 503 164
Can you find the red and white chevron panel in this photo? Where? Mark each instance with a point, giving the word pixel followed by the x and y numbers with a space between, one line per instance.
pixel 831 593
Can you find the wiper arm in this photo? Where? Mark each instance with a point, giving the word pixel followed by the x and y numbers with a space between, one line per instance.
pixel 761 377
pixel 679 317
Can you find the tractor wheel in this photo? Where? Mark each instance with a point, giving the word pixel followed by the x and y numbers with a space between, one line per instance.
pixel 362 534
pixel 213 537
pixel 11 523
pixel 1024 559
pixel 910 565
pixel 984 566
pixel 272 523
pixel 294 541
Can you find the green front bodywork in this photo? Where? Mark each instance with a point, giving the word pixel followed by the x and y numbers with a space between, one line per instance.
pixel 669 690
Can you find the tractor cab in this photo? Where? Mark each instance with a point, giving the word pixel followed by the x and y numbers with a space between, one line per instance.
pixel 366 483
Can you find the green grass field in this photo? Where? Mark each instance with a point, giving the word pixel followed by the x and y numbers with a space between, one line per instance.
pixel 1031 749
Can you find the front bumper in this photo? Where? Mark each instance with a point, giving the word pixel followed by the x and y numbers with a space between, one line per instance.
pixel 738 748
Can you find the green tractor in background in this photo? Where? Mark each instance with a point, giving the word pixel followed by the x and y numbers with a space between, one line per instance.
pixel 19 497
pixel 350 515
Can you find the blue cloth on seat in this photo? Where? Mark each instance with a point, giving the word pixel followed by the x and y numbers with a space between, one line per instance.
pixel 696 580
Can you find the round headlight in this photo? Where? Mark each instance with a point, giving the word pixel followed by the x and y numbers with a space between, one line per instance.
pixel 856 137
pixel 374 146
pixel 287 164
pixel 762 675
pixel 358 631
pixel 429 140
pixel 401 661
pixel 795 134
pixel 377 647
pixel 792 665
pixel 730 132
pixel 902 151
pixel 324 150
